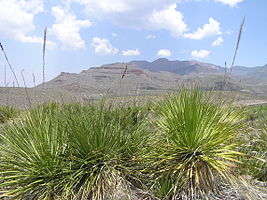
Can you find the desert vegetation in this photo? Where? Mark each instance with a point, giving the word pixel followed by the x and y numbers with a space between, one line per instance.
pixel 185 145
pixel 7 113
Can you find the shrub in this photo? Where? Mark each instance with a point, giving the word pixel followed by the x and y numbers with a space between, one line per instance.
pixel 194 153
pixel 72 152
pixel 256 163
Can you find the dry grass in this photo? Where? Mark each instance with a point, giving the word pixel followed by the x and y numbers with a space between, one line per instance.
pixel 238 42
pixel 10 66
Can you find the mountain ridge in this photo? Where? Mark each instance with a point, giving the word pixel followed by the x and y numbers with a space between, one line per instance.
pixel 161 75
pixel 176 66
pixel 163 64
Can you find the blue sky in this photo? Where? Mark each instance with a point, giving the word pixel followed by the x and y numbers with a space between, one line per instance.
pixel 86 33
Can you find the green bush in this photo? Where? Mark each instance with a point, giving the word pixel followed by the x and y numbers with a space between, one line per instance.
pixel 72 152
pixel 194 153
pixel 186 148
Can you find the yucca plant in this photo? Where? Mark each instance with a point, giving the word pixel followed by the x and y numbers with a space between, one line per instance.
pixel 32 154
pixel 194 153
pixel 105 143
pixel 72 152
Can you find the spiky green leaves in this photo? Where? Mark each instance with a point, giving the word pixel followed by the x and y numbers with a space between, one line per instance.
pixel 71 152
pixel 99 151
pixel 195 150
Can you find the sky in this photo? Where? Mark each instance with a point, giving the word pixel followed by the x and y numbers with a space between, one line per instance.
pixel 86 33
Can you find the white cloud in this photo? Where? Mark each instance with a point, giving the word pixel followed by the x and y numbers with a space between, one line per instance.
pixel 218 41
pixel 33 6
pixel 169 19
pixel 114 35
pixel 161 14
pixel 129 52
pixel 231 3
pixel 103 47
pixel 200 53
pixel 211 29
pixel 67 29
pixel 40 40
pixel 150 37
pixel 17 20
pixel 164 53
pixel 104 6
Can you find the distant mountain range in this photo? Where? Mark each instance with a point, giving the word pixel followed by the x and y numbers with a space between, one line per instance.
pixel 161 75
pixel 177 67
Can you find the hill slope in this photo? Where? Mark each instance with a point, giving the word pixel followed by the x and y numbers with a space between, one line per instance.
pixel 145 78
pixel 141 78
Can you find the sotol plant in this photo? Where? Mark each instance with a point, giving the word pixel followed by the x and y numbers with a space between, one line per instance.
pixel 194 153
pixel 72 152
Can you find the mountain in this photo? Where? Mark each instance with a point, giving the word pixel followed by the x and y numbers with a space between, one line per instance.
pixel 252 75
pixel 178 67
pixel 196 67
pixel 161 75
pixel 251 78
pixel 247 85
pixel 117 80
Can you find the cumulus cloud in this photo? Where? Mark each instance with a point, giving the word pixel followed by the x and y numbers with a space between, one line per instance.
pixel 161 14
pixel 169 19
pixel 164 53
pixel 199 54
pixel 17 20
pixel 40 40
pixel 150 37
pixel 103 47
pixel 218 41
pixel 211 29
pixel 34 6
pixel 114 35
pixel 105 6
pixel 231 3
pixel 67 29
pixel 129 52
